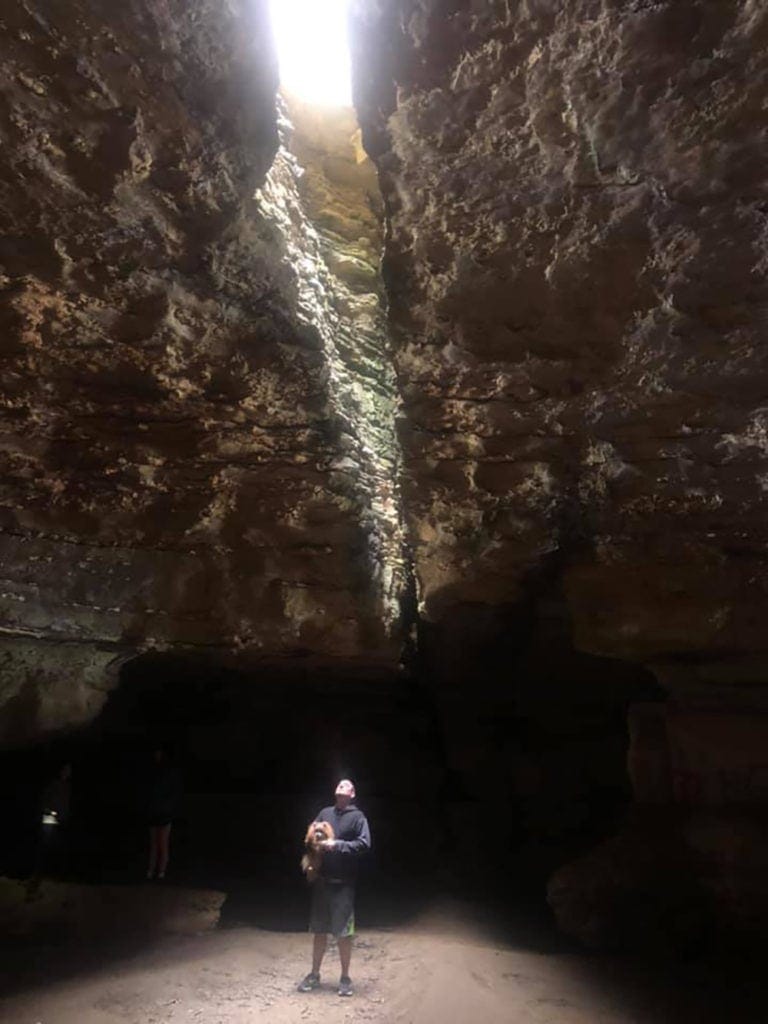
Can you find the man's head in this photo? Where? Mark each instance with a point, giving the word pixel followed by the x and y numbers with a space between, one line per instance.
pixel 345 794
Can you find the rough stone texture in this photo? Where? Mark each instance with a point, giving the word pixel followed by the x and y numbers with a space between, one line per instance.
pixel 576 266
pixel 47 684
pixel 197 409
pixel 179 468
pixel 323 196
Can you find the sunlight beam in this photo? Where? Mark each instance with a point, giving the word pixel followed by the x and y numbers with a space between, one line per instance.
pixel 313 50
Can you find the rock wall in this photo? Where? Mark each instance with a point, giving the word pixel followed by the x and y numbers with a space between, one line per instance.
pixel 179 467
pixel 576 265
pixel 690 864
pixel 323 193
pixel 199 393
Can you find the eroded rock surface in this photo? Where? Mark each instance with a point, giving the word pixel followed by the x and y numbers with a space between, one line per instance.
pixel 322 197
pixel 182 461
pixel 577 273
pixel 576 265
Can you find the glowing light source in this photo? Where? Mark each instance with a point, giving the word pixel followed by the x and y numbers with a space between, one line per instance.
pixel 313 50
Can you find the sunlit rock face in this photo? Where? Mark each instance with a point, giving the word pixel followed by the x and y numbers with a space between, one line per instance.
pixel 180 465
pixel 577 275
pixel 322 198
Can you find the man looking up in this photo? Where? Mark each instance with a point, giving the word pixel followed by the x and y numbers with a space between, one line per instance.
pixel 333 893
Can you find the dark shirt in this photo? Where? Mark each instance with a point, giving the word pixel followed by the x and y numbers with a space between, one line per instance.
pixel 164 791
pixel 353 836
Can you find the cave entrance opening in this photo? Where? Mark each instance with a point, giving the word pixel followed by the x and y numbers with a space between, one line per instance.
pixel 311 38
pixel 259 753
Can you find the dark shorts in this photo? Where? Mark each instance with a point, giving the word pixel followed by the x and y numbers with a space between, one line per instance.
pixel 333 909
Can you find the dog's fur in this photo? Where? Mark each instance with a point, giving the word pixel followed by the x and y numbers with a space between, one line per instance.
pixel 317 833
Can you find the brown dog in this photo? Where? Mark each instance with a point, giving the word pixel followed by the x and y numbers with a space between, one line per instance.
pixel 317 833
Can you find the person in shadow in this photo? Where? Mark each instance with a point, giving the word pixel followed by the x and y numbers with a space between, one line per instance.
pixel 163 799
pixel 51 857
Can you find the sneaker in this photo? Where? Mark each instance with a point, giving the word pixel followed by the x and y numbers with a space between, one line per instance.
pixel 310 983
pixel 345 987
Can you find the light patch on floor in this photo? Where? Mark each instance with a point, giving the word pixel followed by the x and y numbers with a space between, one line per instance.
pixel 440 970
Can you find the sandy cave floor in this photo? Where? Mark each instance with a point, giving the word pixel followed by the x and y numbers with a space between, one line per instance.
pixel 440 969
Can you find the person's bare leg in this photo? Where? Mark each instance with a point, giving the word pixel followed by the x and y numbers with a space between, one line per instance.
pixel 312 980
pixel 164 848
pixel 152 866
pixel 319 944
pixel 345 955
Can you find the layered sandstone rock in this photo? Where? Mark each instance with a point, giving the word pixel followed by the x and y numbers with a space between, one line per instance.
pixel 187 458
pixel 576 264
pixel 327 185
pixel 198 404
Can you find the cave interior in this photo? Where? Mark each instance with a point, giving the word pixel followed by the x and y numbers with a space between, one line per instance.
pixel 418 439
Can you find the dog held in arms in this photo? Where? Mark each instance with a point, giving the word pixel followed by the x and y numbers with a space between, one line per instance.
pixel 317 833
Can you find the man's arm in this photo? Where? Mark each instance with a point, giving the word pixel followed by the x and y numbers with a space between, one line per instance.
pixel 357 846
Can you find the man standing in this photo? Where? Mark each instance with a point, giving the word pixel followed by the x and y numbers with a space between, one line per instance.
pixel 333 894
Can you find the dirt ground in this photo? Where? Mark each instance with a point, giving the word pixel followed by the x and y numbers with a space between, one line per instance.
pixel 442 968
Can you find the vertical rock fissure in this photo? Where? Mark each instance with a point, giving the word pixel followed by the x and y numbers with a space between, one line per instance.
pixel 321 197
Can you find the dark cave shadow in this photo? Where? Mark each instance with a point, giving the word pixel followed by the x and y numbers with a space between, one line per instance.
pixel 508 914
pixel 724 988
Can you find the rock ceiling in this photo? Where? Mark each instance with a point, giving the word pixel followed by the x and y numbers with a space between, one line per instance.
pixel 209 441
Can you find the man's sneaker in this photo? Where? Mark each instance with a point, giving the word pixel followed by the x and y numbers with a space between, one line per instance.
pixel 310 983
pixel 345 987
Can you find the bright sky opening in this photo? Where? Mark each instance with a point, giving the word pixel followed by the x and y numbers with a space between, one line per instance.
pixel 313 50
